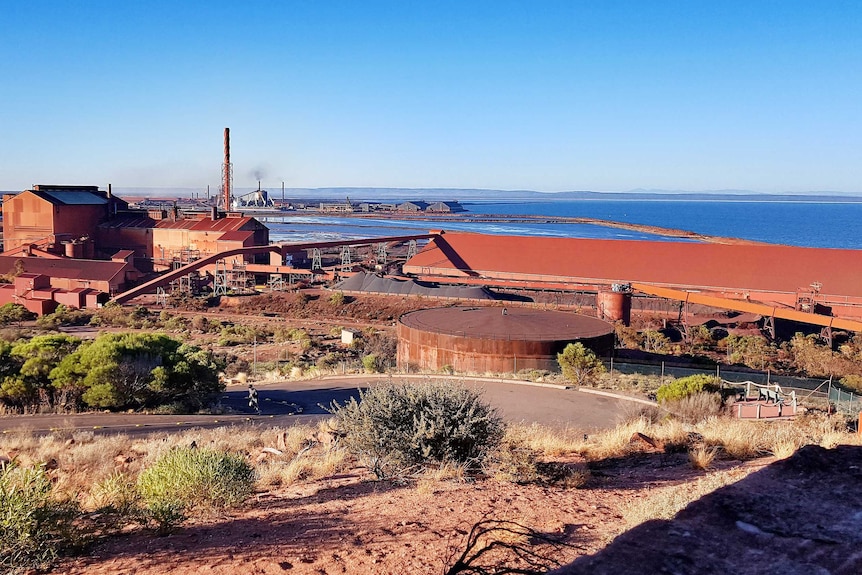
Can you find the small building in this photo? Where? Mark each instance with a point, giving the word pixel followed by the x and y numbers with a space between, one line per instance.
pixel 70 274
pixel 35 292
pixel 348 336
pixel 445 207
pixel 417 206
pixel 159 239
pixel 336 207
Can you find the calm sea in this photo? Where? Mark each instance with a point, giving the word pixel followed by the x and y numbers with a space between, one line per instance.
pixel 828 225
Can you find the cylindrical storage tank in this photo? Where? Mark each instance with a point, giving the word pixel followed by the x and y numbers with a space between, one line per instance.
pixel 615 306
pixel 74 250
pixel 494 339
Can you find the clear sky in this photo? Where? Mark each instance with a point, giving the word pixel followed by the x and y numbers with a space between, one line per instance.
pixel 537 94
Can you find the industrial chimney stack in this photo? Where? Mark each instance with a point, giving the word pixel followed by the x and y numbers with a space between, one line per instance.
pixel 227 169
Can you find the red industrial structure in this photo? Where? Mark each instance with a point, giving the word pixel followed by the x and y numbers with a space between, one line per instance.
pixel 58 219
pixel 227 172
pixel 820 282
pixel 82 238
pixel 494 339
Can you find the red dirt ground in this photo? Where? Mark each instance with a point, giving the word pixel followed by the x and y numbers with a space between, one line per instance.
pixel 351 524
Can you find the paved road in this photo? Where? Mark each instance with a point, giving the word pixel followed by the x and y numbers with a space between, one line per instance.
pixel 291 402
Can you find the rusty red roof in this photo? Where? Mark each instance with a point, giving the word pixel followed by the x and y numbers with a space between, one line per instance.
pixel 522 324
pixel 96 270
pixel 236 236
pixel 208 224
pixel 198 224
pixel 768 268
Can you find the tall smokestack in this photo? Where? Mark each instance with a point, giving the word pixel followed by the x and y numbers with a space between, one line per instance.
pixel 112 205
pixel 227 169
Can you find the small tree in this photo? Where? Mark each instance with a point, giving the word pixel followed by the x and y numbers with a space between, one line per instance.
pixel 655 341
pixel 579 364
pixel 337 299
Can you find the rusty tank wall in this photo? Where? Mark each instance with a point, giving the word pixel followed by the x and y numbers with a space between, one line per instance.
pixel 614 306
pixel 430 350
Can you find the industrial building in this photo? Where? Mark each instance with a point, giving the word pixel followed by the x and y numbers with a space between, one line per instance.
pixel 162 238
pixel 83 238
pixel 812 281
pixel 57 219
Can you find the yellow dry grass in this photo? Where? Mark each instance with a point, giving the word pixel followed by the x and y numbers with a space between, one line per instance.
pixel 702 457
pixel 665 502
pixel 96 470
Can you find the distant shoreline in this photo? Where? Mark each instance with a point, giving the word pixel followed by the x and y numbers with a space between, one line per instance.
pixel 480 196
pixel 470 217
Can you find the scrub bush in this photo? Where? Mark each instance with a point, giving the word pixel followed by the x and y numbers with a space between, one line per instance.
pixel 685 386
pixel 34 527
pixel 398 426
pixel 185 480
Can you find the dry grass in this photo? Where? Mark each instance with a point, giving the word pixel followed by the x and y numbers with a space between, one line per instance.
pixel 666 502
pixel 701 457
pixel 543 440
pixel 728 437
pixel 432 480
pixel 617 442
pixel 97 470
pixel 306 466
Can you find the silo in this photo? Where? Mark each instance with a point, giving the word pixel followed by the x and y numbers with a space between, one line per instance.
pixel 614 305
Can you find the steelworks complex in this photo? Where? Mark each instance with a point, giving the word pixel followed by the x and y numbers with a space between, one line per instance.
pixel 81 246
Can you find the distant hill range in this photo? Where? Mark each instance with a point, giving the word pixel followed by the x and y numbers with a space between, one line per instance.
pixel 466 195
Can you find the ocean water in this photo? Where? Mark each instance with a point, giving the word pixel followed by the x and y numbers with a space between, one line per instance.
pixel 813 224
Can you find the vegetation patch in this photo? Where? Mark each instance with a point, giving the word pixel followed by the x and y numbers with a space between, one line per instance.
pixel 397 427
pixel 684 387
pixel 34 527
pixel 183 480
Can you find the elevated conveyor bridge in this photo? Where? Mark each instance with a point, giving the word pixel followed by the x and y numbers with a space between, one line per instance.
pixel 281 249
pixel 770 312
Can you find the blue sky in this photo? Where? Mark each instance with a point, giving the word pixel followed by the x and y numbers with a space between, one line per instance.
pixel 540 95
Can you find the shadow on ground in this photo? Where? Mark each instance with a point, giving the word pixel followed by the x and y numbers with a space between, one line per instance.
pixel 283 402
pixel 798 516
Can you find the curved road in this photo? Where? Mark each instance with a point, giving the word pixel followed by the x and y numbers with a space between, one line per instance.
pixel 299 402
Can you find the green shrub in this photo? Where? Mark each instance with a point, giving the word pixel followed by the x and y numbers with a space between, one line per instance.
pixel 328 361
pixel 397 426
pixel 579 364
pixel 185 480
pixel 372 363
pixel 337 299
pixel 239 334
pixel 686 386
pixel 15 313
pixel 116 493
pixel 34 527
